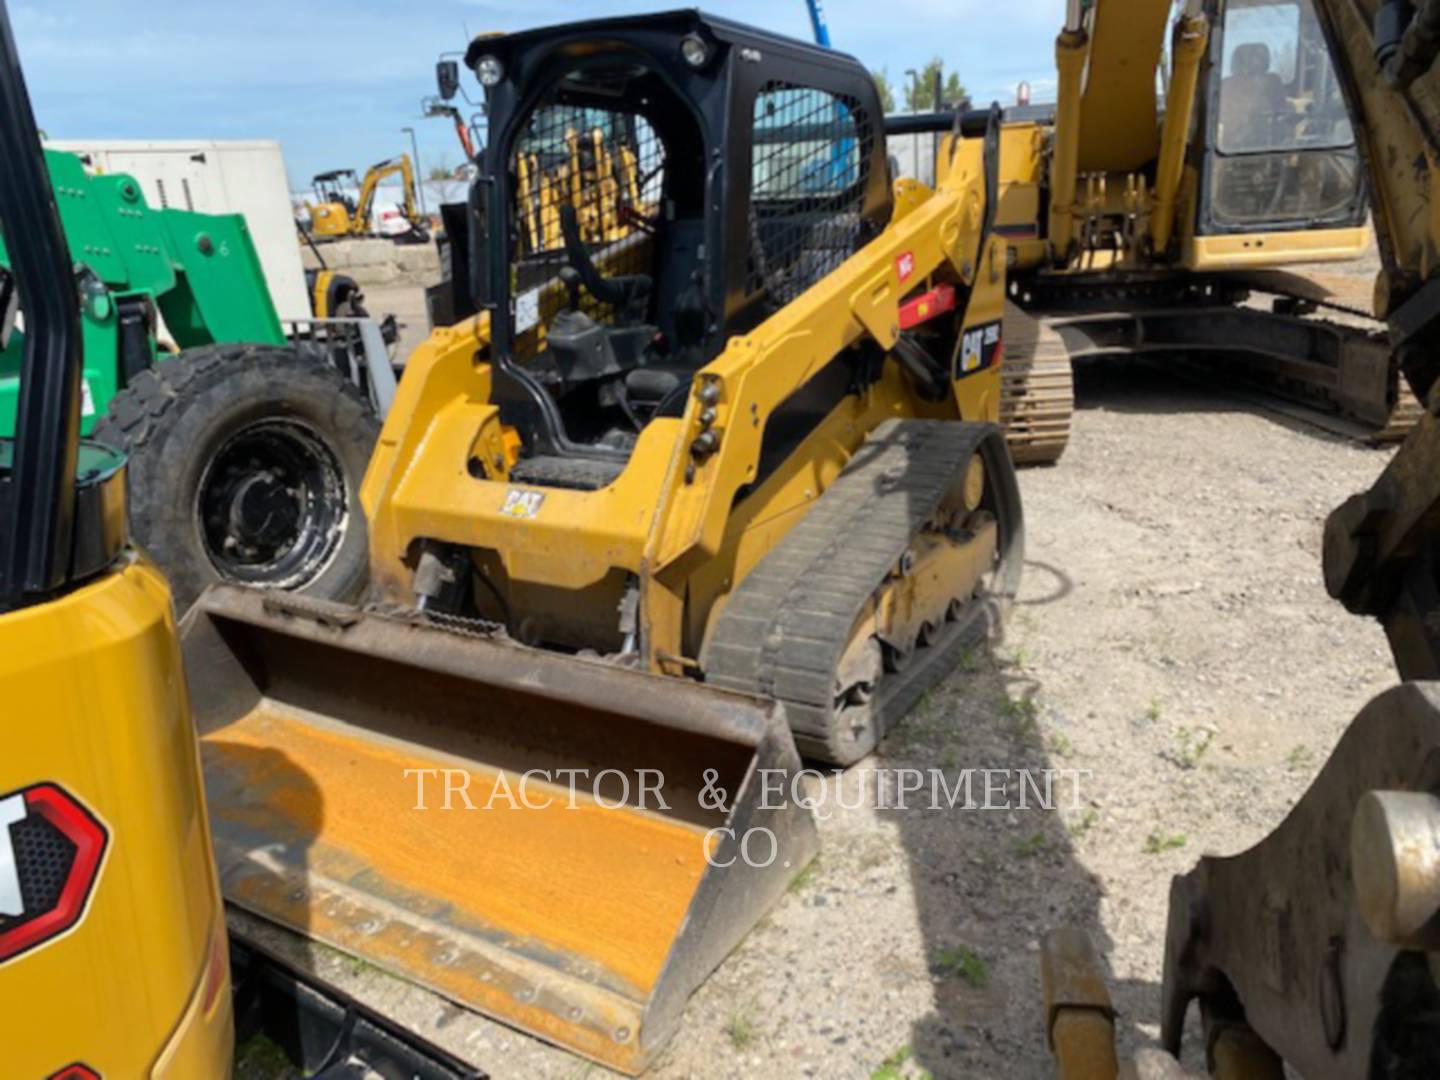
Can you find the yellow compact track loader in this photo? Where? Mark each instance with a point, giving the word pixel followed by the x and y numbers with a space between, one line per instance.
pixel 685 492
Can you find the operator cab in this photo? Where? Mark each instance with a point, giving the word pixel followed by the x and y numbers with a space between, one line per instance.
pixel 634 224
pixel 608 241
pixel 1280 152
pixel 330 187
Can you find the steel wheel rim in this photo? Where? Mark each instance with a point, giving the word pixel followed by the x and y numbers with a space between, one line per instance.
pixel 272 506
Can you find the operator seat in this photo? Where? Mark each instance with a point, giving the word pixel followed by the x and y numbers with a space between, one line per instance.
pixel 1249 98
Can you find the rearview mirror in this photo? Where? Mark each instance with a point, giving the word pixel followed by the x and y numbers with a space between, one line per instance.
pixel 447 78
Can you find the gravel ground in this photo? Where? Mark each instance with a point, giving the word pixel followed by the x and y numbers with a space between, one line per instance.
pixel 1173 637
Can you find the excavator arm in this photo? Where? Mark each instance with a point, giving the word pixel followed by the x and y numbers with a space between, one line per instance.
pixel 1379 56
pixel 1107 117
pixel 374 177
pixel 1380 545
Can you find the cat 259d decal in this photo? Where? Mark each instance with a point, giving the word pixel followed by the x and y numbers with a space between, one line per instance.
pixel 979 349
pixel 51 848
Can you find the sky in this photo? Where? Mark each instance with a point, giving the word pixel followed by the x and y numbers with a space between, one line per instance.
pixel 335 82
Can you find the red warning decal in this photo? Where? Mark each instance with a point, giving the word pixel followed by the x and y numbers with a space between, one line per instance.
pixel 51 847
pixel 905 265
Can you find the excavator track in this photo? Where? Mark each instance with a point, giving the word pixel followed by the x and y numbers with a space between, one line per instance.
pixel 1343 301
pixel 1037 397
pixel 792 622
pixel 1318 355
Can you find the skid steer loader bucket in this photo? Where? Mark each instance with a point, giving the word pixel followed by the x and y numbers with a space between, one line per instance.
pixel 373 783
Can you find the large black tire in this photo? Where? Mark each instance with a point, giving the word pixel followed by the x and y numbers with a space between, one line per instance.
pixel 228 444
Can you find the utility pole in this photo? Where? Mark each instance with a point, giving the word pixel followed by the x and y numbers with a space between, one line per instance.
pixel 419 174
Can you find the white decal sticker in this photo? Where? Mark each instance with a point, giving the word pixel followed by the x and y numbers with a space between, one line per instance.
pixel 87 399
pixel 527 310
pixel 520 503
pixel 11 902
pixel 970 349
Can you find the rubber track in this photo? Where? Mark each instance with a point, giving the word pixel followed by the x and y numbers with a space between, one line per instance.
pixel 785 628
pixel 1037 395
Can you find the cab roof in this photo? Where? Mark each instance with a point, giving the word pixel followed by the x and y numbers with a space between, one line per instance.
pixel 678 23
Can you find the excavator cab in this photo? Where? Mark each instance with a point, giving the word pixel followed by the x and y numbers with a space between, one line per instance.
pixel 332 187
pixel 1279 151
pixel 333 212
pixel 635 246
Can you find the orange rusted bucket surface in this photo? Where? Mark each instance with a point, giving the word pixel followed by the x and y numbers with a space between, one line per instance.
pixel 548 840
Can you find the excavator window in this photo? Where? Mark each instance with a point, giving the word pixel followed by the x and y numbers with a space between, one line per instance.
pixel 1282 149
pixel 807 189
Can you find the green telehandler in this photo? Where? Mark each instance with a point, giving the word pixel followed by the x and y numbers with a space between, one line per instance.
pixel 247 437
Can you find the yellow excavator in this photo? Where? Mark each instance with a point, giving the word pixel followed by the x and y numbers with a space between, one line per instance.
pixel 110 909
pixel 673 505
pixel 1317 951
pixel 336 215
pixel 1154 208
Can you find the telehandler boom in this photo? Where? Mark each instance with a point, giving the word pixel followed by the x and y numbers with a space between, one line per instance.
pixel 680 496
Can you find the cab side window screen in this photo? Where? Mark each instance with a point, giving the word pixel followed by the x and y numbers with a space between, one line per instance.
pixel 807 189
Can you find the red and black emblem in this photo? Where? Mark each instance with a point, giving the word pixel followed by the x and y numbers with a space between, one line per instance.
pixel 51 847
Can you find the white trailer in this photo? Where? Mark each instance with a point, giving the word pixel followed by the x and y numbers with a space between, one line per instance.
pixel 215 177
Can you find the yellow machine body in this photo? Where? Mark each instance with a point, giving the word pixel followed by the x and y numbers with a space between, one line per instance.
pixel 333 217
pixel 1108 148
pixel 582 925
pixel 1123 218
pixel 330 220
pixel 388 779
pixel 95 704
